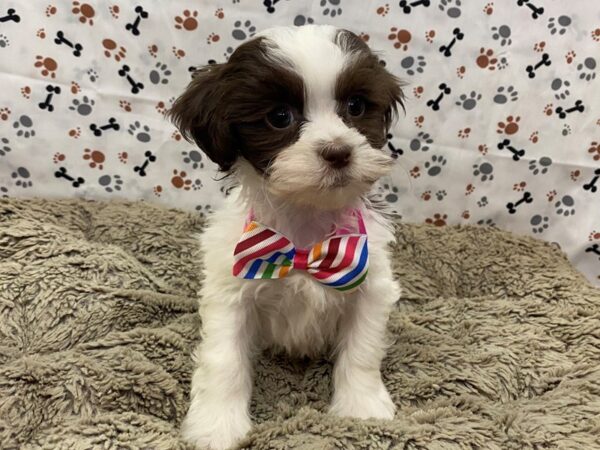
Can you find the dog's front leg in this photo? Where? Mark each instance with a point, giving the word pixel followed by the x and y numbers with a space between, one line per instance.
pixel 358 388
pixel 222 381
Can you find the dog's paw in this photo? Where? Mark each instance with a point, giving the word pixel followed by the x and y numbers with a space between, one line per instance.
pixel 214 428
pixel 372 403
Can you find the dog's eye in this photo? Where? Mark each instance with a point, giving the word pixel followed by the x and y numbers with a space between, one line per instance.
pixel 281 117
pixel 356 106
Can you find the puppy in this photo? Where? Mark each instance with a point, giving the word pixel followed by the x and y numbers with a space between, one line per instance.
pixel 297 259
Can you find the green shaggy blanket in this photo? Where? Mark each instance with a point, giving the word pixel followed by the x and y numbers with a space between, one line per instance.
pixel 496 340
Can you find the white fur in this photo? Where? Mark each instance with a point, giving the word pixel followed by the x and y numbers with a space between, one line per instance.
pixel 301 199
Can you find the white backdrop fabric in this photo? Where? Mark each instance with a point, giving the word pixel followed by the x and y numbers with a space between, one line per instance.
pixel 502 123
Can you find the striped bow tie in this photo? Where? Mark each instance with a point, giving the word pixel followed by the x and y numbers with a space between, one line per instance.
pixel 340 262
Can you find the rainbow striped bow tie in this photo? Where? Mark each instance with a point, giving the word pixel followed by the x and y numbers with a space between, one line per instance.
pixel 340 262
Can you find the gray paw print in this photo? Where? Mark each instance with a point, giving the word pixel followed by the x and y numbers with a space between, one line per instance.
pixel 482 202
pixel 468 102
pixel 502 34
pixel 452 7
pixel 193 157
pixel 84 106
pixel 560 88
pixel 4 41
pixel 484 170
pixel 506 94
pixel 389 193
pixel 440 195
pixel 243 30
pixel 3 192
pixel 141 132
pixel 228 53
pixel 331 7
pixel 300 20
pixel 559 26
pixel 421 142
pixel 566 130
pixel 565 205
pixel 21 175
pixel 413 65
pixel 4 147
pixel 93 75
pixel 203 210
pixel 435 166
pixel 160 74
pixel 539 224
pixel 110 183
pixel 540 166
pixel 24 127
pixel 487 223
pixel 587 69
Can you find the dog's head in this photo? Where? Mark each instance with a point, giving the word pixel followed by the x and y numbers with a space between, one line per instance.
pixel 306 109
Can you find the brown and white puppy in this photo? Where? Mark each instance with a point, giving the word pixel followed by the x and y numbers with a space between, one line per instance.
pixel 299 116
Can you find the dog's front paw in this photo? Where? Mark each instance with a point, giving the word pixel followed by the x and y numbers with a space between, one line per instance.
pixel 216 428
pixel 363 404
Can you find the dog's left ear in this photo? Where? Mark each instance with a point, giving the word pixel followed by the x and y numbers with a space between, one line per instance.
pixel 199 113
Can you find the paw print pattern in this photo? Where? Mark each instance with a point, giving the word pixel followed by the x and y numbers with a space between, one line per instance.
pixel 188 20
pixel 502 34
pixel 421 142
pixel 204 210
pixel 505 94
pixel 485 171
pixel 141 132
pixel 400 37
pixel 560 88
pixel 389 193
pixel 541 166
pixel 4 41
pixel 439 220
pixel 110 183
pixel 469 102
pixel 4 147
pixel 434 167
pixel 243 31
pixel 160 74
pixel 413 65
pixel 84 11
pixel 511 126
pixel 83 107
pixel 24 127
pixel 559 25
pixel 331 7
pixel 486 59
pixel 301 20
pixel 539 223
pixel 565 206
pixel 193 158
pixel 21 178
pixel 451 7
pixel 587 69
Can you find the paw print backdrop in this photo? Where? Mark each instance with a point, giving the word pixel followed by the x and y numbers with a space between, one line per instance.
pixel 502 123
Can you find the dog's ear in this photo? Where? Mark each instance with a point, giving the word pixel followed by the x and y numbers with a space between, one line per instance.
pixel 199 113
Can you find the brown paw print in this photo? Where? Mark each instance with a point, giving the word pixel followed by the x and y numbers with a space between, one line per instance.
pixel 4 113
pixel 483 149
pixel 219 14
pixel 188 22
pixel 75 88
pixel 111 49
pixel 535 137
pixel 575 174
pixel 26 91
pixel 364 36
pixel 176 135
pixel 153 50
pixel 212 37
pixel 419 121
pixel 511 126
pixel 123 157
pixel 430 36
pixel 75 132
pixel 48 66
pixel 594 236
pixel 596 34
pixel 460 72
pixel 400 37
pixel 179 53
pixel 383 10
pixel 418 91
pixel 469 189
pixel 161 108
pixel 125 105
pixel 594 149
pixel 58 157
pixel 466 214
pixel 439 220
pixel 426 196
pixel 486 59
pixel 415 172
pixel 85 11
pixel 50 10
pixel 489 8
pixel 519 187
pixel 157 190
pixel 180 180
pixel 41 33
pixel 464 133
pixel 539 46
pixel 95 157
pixel 551 195
pixel 114 11
pixel 570 56
pixel 549 109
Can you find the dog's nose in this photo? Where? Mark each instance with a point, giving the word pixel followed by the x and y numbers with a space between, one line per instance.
pixel 337 156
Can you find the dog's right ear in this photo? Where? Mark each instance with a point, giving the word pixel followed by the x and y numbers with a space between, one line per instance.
pixel 199 114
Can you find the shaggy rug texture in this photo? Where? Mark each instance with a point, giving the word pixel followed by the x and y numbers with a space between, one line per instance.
pixel 495 341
